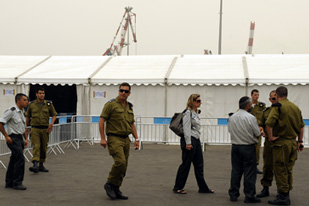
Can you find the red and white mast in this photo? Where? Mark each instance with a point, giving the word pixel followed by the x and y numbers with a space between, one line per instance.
pixel 250 43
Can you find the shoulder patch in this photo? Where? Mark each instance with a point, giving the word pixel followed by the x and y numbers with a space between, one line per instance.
pixel 267 108
pixel 130 105
pixel 13 108
pixel 49 102
pixel 262 104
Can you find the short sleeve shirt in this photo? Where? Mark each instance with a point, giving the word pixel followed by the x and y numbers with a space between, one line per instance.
pixel 39 113
pixel 119 119
pixel 14 119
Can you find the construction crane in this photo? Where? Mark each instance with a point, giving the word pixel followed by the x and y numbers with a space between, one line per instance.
pixel 124 25
pixel 251 34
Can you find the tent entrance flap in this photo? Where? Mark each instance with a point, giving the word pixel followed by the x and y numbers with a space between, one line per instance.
pixel 64 97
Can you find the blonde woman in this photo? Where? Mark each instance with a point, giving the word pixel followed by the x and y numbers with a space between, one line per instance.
pixel 191 148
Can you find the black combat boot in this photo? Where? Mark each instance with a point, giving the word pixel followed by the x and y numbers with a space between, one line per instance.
pixel 35 167
pixel 42 168
pixel 263 193
pixel 110 190
pixel 282 199
pixel 119 194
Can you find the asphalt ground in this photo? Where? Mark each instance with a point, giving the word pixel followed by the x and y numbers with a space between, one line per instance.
pixel 78 176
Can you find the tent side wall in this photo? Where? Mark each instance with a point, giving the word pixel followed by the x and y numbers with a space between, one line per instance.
pixel 146 100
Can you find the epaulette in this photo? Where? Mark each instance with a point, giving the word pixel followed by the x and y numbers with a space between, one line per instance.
pixel 261 104
pixel 230 114
pixel 110 101
pixel 277 105
pixel 49 102
pixel 31 101
pixel 130 105
pixel 267 108
pixel 13 108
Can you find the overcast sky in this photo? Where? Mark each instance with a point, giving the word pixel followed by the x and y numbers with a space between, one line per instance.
pixel 87 27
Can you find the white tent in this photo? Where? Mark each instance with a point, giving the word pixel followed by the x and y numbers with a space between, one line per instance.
pixel 161 84
pixel 11 67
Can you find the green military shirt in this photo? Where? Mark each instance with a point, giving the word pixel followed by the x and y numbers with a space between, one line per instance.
pixel 257 111
pixel 286 119
pixel 119 119
pixel 39 113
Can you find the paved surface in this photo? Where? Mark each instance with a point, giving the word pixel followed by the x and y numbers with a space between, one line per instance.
pixel 77 178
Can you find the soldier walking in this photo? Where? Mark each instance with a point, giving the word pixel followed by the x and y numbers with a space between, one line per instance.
pixel 119 117
pixel 15 133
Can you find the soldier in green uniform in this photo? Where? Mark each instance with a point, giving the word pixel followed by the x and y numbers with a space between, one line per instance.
pixel 284 124
pixel 267 151
pixel 119 117
pixel 37 115
pixel 257 111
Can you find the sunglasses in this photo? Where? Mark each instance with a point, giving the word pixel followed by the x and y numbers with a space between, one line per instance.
pixel 274 98
pixel 198 101
pixel 123 90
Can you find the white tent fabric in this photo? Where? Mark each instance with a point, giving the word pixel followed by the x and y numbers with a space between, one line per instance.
pixel 278 69
pixel 13 66
pixel 208 70
pixel 138 70
pixel 162 84
pixel 64 70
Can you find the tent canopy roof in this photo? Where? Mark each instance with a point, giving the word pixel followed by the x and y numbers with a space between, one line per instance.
pixel 156 70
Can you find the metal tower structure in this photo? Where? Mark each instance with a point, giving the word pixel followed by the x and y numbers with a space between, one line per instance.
pixel 125 24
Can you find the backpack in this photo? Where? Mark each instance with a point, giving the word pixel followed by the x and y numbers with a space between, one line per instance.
pixel 176 124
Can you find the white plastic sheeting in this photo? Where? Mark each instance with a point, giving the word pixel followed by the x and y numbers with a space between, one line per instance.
pixel 161 84
pixel 13 66
pixel 64 70
pixel 138 70
pixel 208 70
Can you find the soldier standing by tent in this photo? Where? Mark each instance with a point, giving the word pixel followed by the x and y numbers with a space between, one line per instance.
pixel 284 124
pixel 257 111
pixel 38 114
pixel 268 172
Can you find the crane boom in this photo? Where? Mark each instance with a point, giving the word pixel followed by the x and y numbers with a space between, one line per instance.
pixel 124 25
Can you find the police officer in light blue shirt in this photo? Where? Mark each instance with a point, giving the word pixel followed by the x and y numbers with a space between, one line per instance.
pixel 14 134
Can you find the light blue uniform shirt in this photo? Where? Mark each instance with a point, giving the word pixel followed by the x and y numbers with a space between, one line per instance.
pixel 15 121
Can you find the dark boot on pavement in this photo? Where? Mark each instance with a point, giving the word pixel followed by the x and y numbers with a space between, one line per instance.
pixel 42 168
pixel 282 199
pixel 263 193
pixel 110 190
pixel 119 194
pixel 35 167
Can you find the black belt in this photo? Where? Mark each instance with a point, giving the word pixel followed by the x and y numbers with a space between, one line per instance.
pixel 15 135
pixel 117 135
pixel 39 127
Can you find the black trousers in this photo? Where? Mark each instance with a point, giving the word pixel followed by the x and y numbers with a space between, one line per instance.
pixel 195 155
pixel 243 163
pixel 16 167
